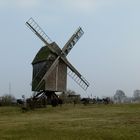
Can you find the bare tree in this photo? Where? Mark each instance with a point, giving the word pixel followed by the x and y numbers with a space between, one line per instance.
pixel 119 96
pixel 136 95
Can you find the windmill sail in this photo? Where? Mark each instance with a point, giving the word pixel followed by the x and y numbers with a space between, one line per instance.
pixel 72 41
pixel 35 28
pixel 72 72
pixel 81 81
pixel 76 76
pixel 48 72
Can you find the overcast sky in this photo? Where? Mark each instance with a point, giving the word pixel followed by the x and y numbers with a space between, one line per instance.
pixel 107 55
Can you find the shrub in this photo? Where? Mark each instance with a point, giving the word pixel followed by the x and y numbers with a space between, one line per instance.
pixel 7 100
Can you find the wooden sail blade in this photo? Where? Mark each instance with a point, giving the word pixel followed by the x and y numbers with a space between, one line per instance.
pixel 55 63
pixel 79 80
pixel 35 28
pixel 38 31
pixel 75 75
pixel 72 41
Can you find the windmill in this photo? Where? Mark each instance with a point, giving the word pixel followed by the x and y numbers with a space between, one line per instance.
pixel 50 65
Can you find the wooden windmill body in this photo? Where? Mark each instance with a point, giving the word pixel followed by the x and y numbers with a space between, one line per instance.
pixel 57 80
pixel 50 65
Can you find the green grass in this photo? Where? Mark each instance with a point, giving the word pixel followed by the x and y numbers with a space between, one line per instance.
pixel 92 122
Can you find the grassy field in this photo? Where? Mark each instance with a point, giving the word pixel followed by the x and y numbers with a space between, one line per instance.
pixel 91 122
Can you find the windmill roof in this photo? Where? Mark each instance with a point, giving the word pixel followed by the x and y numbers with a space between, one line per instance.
pixel 43 53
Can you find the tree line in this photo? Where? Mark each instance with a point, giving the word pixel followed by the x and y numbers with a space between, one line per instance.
pixel 70 96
